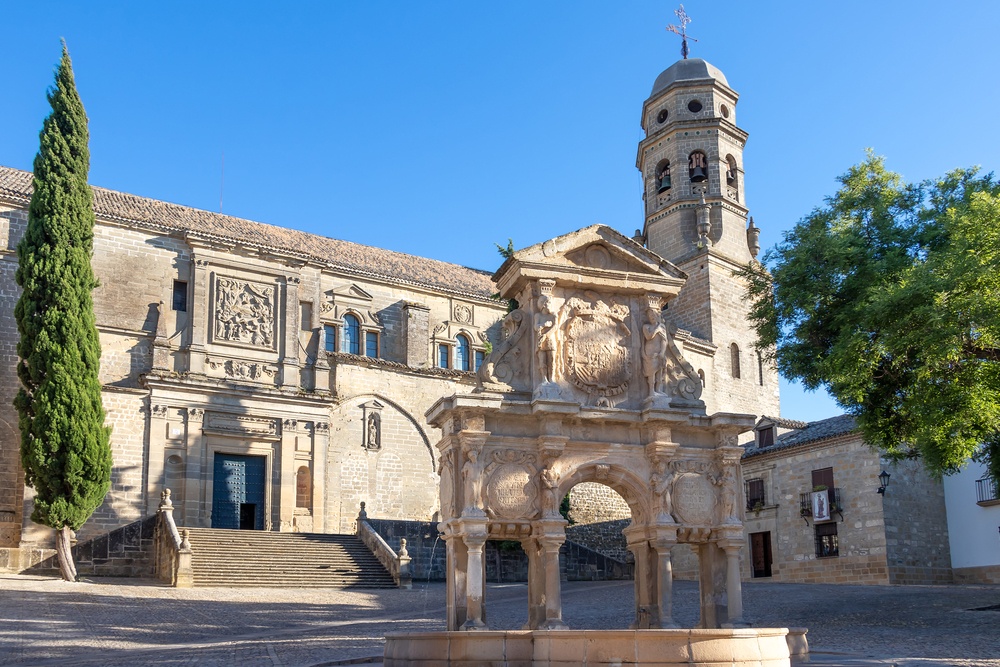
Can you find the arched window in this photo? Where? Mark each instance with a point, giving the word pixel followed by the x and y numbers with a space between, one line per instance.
pixel 663 176
pixel 734 352
pixel 303 488
pixel 352 335
pixel 462 357
pixel 698 167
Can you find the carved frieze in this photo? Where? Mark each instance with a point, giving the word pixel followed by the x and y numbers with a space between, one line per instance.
pixel 244 312
pixel 243 370
pixel 241 425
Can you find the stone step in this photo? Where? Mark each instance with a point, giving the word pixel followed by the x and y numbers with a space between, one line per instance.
pixel 236 558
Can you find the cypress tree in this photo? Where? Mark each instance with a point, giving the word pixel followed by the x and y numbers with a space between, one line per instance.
pixel 65 449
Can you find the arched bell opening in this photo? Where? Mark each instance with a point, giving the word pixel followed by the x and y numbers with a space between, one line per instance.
pixel 662 176
pixel 698 167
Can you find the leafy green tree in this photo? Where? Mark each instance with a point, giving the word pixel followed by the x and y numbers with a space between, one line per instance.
pixel 64 443
pixel 889 297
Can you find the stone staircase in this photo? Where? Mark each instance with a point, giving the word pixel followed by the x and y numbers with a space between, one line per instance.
pixel 253 558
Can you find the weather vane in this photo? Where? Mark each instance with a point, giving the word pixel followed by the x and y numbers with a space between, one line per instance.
pixel 682 31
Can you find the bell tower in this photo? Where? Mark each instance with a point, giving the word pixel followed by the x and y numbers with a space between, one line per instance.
pixel 691 160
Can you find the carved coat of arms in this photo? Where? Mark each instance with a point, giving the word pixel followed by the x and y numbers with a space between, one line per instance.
pixel 598 347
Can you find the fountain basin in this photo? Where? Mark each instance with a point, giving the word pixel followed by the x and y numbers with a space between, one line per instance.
pixel 752 647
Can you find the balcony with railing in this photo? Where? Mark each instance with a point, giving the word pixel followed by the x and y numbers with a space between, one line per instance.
pixel 986 492
pixel 833 498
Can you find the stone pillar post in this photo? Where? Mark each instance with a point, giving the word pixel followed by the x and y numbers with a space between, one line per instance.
pixel 416 334
pixel 536 584
pixel 456 563
pixel 645 608
pixel 734 585
pixel 551 538
pixel 290 367
pixel 475 579
pixel 664 581
pixel 201 315
pixel 285 460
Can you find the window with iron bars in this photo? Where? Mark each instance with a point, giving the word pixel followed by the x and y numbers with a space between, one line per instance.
pixel 826 540
pixel 986 491
pixel 754 490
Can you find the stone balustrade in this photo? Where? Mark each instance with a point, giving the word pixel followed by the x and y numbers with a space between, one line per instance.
pixel 397 564
pixel 172 550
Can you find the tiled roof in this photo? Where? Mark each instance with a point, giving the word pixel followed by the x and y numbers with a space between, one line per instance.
pixel 812 431
pixel 785 423
pixel 385 264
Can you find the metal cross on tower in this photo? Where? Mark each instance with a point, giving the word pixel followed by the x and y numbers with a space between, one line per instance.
pixel 682 31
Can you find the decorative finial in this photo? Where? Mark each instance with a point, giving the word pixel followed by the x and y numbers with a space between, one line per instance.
pixel 682 31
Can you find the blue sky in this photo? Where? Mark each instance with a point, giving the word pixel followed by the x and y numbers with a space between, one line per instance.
pixel 441 128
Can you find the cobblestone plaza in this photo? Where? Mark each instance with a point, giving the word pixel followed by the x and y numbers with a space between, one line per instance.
pixel 119 622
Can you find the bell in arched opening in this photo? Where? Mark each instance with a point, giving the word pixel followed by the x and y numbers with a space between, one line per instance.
pixel 698 167
pixel 663 178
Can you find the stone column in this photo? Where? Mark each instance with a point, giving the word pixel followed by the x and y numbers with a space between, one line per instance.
pixel 536 584
pixel 320 451
pixel 201 315
pixel 474 582
pixel 734 585
pixel 157 443
pixel 290 368
pixel 645 609
pixel 553 534
pixel 197 473
pixel 456 563
pixel 285 460
pixel 664 583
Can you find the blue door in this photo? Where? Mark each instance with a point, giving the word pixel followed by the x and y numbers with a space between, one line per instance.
pixel 238 495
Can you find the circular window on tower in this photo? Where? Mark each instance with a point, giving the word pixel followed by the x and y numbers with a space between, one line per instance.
pixel 694 106
pixel 662 116
pixel 725 111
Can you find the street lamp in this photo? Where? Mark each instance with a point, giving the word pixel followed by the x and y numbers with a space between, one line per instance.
pixel 883 481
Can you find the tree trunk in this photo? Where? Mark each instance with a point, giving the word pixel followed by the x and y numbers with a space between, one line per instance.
pixel 67 568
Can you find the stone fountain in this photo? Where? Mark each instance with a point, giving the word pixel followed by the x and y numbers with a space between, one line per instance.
pixel 588 384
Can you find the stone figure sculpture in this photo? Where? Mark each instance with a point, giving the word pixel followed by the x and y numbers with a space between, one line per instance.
pixel 654 350
pixel 728 493
pixel 472 481
pixel 662 482
pixel 502 363
pixel 550 484
pixel 545 332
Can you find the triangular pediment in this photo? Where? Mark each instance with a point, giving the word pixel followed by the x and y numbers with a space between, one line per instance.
pixel 351 292
pixel 597 256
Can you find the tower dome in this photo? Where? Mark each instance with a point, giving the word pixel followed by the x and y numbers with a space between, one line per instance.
pixel 690 69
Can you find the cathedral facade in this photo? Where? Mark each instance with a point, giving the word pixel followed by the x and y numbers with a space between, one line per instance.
pixel 274 379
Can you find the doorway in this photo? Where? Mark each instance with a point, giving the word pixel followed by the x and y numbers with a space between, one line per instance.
pixel 238 492
pixel 760 554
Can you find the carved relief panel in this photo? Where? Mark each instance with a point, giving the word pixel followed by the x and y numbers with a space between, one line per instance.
pixel 244 313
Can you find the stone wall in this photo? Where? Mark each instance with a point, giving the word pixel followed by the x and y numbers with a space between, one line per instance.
pixel 916 526
pixel 12 223
pixel 860 531
pixel 124 552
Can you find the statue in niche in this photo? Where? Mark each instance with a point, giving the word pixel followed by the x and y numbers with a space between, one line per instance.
pixel 373 432
pixel 545 330
pixel 662 482
pixel 654 350
pixel 472 481
pixel 550 486
pixel 728 493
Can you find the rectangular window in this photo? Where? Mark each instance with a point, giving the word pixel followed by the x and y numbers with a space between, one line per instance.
pixel 443 355
pixel 305 316
pixel 766 436
pixel 480 358
pixel 371 344
pixel 329 338
pixel 180 300
pixel 755 493
pixel 826 540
